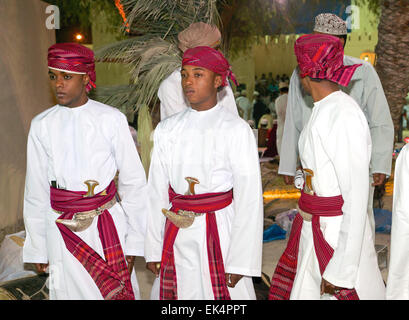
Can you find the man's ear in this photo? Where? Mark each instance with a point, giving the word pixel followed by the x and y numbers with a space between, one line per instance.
pixel 218 81
pixel 85 79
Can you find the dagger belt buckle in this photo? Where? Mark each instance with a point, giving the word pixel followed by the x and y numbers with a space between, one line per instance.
pixel 82 220
pixel 184 218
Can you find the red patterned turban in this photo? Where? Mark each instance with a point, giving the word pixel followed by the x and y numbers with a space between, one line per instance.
pixel 320 56
pixel 73 58
pixel 210 59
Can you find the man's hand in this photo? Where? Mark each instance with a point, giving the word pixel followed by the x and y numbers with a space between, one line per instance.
pixel 327 287
pixel 232 279
pixel 154 267
pixel 131 261
pixel 288 179
pixel 41 267
pixel 378 179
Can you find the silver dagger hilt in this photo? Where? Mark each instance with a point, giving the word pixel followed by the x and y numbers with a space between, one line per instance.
pixel 91 184
pixel 308 184
pixel 191 189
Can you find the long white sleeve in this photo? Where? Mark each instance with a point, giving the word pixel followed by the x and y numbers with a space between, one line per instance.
pixel 158 184
pixel 131 188
pixel 346 144
pixel 380 122
pixel 36 198
pixel 397 287
pixel 245 252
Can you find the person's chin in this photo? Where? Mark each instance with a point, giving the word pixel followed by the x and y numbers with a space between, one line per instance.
pixel 62 102
pixel 192 102
pixel 66 101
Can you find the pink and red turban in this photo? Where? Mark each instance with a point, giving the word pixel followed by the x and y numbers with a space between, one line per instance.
pixel 320 56
pixel 210 59
pixel 73 58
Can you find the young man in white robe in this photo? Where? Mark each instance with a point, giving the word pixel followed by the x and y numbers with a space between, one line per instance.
pixel 170 93
pixel 330 253
pixel 213 250
pixel 75 146
pixel 366 88
pixel 397 285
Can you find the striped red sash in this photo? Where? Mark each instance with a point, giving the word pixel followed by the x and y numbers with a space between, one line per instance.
pixel 204 203
pixel 284 274
pixel 110 275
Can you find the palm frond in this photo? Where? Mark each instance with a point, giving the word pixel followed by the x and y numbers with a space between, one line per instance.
pixel 116 96
pixel 153 54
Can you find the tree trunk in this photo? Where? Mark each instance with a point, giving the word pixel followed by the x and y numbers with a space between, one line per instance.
pixel 392 55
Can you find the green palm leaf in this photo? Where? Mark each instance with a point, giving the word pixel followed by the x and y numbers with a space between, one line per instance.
pixel 152 53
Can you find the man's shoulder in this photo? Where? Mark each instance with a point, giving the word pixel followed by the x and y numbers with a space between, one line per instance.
pixel 365 65
pixel 170 121
pixel 281 98
pixel 232 121
pixel 340 97
pixel 100 108
pixel 340 106
pixel 43 115
pixel 349 60
pixel 403 154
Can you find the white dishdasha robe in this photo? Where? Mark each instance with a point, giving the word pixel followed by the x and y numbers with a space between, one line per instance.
pixel 69 146
pixel 336 145
pixel 219 149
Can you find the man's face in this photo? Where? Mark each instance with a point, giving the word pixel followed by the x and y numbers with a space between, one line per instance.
pixel 69 88
pixel 200 86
